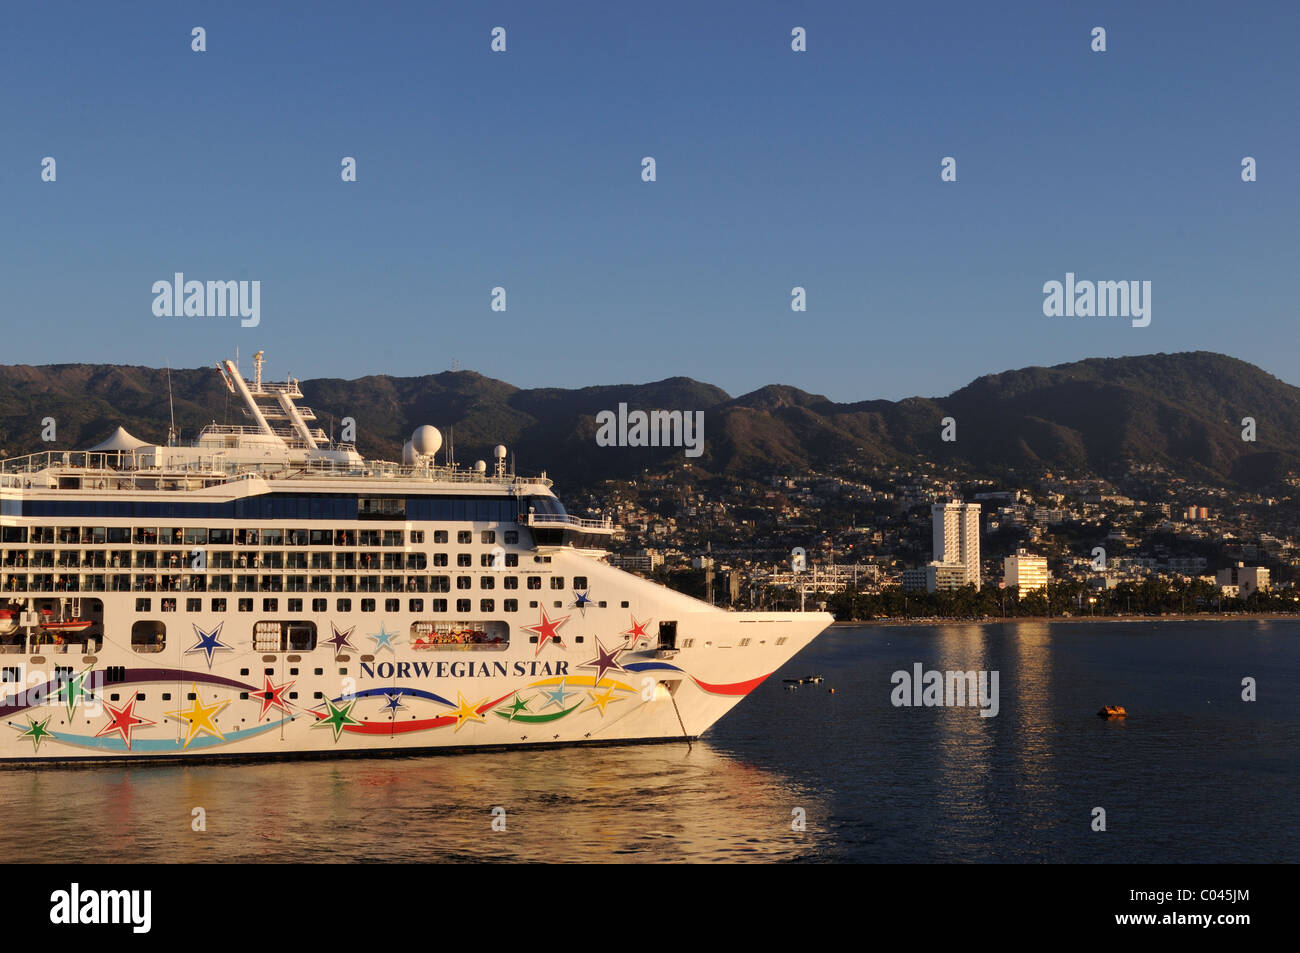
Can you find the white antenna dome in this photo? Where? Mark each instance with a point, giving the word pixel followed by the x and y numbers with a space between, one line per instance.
pixel 426 440
pixel 499 451
pixel 409 456
pixel 480 466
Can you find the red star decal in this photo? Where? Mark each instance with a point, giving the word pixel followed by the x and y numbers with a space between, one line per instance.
pixel 638 629
pixel 547 632
pixel 122 720
pixel 271 697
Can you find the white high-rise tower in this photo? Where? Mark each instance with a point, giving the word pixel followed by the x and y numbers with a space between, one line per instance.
pixel 957 538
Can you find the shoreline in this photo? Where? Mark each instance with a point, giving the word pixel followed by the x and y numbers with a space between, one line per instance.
pixel 1056 619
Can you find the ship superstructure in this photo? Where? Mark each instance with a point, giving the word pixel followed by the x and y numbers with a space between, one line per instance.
pixel 269 592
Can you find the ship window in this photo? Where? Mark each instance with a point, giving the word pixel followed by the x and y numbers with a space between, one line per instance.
pixel 193 605
pixel 463 582
pixel 244 671
pixel 557 582
pixel 415 605
pixel 369 537
pixel 297 537
pixel 148 635
pixel 272 537
pixel 343 605
pixel 417 536
pixel 440 536
pixel 440 584
pixel 245 605
pixel 487 605
pixel 559 604
pixel 623 604
pixel 293 671
pixel 142 605
pixel 392 605
pixel 440 559
pixel 15 534
pixel 319 671
pixel 512 536
pixel 439 605
pixel 295 605
pixel 602 603
pixel 380 507
pixel 293 695
pixel 487 582
pixel 512 559
pixel 510 605
pixel 322 537
pixel 167 696
pixel 270 605
pixel 510 582
pixel 119 534
pixel 462 605
pixel 392 537
pixel 367 605
pixel 464 559
pixel 488 536
pixel 221 537
pixel 194 537
pixel 317 695
pixel 464 536
pixel 579 582
pixel 532 604
pixel 169 605
pixel 319 605
pixel 10 674
pixel 534 582
pixel 218 605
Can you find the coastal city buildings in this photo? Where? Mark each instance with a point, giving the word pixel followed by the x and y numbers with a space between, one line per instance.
pixel 1025 571
pixel 956 535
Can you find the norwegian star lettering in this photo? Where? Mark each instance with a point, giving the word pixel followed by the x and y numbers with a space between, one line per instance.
pixel 461 669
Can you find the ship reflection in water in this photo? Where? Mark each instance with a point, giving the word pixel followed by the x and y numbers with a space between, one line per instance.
pixel 653 803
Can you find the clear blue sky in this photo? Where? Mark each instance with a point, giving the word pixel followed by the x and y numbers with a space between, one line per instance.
pixel 775 169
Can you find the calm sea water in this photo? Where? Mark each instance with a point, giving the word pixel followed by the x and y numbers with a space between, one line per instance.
pixel 1194 774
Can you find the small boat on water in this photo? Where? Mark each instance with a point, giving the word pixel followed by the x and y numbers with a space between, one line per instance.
pixel 1112 711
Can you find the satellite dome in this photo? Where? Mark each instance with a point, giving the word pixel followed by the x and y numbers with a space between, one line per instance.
pixel 480 466
pixel 409 456
pixel 499 451
pixel 426 440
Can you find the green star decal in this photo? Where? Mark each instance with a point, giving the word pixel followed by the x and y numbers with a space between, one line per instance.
pixel 339 715
pixel 513 710
pixel 37 732
pixel 75 688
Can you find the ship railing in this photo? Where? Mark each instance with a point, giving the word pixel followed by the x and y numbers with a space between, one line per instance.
pixel 575 522
pixel 120 466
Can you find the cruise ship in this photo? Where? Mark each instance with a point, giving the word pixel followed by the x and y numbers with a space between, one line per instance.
pixel 269 593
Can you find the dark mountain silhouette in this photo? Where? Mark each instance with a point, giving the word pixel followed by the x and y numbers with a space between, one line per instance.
pixel 1182 411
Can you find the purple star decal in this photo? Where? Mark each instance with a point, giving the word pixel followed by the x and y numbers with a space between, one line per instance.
pixel 340 639
pixel 605 660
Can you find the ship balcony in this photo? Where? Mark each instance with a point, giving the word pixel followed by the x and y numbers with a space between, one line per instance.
pixel 561 529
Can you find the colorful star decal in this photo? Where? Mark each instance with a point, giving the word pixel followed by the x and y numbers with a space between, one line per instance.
pixel 464 711
pixel 581 600
pixel 383 639
pixel 338 717
pixel 37 732
pixel 605 661
pixel 515 708
pixel 272 696
pixel 600 701
pixel 637 631
pixel 394 703
pixel 340 640
pixel 209 642
pixel 547 631
pixel 74 688
pixel 122 720
pixel 201 717
pixel 555 696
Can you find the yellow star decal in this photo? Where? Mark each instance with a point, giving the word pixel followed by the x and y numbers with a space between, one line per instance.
pixel 200 717
pixel 600 701
pixel 465 711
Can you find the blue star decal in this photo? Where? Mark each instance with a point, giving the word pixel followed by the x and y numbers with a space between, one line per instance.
pixel 383 639
pixel 581 600
pixel 209 642
pixel 555 696
pixel 394 702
